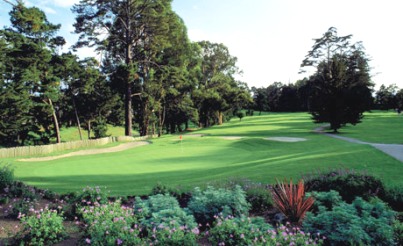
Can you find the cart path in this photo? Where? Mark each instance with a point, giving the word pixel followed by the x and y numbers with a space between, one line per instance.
pixel 118 148
pixel 394 150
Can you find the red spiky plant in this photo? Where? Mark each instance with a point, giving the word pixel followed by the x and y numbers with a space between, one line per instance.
pixel 290 199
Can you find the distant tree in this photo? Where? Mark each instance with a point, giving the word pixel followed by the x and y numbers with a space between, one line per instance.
pixel 399 100
pixel 260 99
pixel 341 87
pixel 385 97
pixel 240 115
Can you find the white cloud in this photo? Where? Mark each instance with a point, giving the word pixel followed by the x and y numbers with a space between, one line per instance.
pixel 48 10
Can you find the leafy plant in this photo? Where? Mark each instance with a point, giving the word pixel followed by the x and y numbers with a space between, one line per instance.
pixel 165 222
pixel 43 227
pixel 349 183
pixel 100 128
pixel 6 176
pixel 205 205
pixel 359 223
pixel 110 224
pixel 20 206
pixel 92 196
pixel 291 201
pixel 394 197
pixel 254 231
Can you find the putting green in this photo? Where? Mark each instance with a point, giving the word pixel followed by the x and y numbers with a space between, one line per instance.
pixel 207 156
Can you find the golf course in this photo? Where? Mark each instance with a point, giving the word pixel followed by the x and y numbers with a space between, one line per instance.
pixel 261 148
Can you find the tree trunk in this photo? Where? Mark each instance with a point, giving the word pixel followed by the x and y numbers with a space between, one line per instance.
pixel 89 129
pixel 220 116
pixel 55 122
pixel 78 120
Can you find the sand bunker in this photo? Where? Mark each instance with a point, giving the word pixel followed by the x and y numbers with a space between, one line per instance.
pixel 286 139
pixel 232 137
pixel 118 148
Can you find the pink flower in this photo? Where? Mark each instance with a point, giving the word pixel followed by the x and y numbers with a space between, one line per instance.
pixel 242 235
pixel 88 241
pixel 119 242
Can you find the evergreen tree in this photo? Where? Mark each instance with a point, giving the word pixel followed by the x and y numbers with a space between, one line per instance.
pixel 341 87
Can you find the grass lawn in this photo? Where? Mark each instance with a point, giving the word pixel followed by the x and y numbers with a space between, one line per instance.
pixel 72 134
pixel 199 160
pixel 378 127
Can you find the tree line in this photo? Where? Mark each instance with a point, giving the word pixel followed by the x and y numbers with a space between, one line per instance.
pixel 151 77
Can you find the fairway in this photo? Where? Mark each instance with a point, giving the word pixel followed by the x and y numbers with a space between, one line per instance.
pixel 212 155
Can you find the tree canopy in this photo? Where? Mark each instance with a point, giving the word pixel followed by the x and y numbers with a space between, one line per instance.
pixel 341 88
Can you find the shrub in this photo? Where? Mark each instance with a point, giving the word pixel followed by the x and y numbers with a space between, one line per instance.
pixel 6 177
pixel 240 231
pixel 254 231
pixel 165 222
pixel 349 183
pixel 259 198
pixel 19 189
pixel 91 196
pixel 110 224
pixel 398 232
pixel 326 199
pixel 20 206
pixel 43 227
pixel 359 223
pixel 100 128
pixel 290 200
pixel 206 204
pixel 394 197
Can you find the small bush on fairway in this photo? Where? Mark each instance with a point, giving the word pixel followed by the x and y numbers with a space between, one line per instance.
pixel 165 222
pixel 359 223
pixel 348 183
pixel 6 177
pixel 43 227
pixel 206 204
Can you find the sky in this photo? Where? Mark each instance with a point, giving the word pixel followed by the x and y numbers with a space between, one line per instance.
pixel 270 38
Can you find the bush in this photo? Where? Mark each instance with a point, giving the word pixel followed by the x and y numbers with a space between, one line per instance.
pixel 359 223
pixel 100 128
pixel 165 222
pixel 328 200
pixel 6 177
pixel 398 232
pixel 91 196
pixel 394 197
pixel 110 224
pixel 254 231
pixel 21 206
pixel 206 204
pixel 19 189
pixel 348 183
pixel 240 231
pixel 43 227
pixel 259 198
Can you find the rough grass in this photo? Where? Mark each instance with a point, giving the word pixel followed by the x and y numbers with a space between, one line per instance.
pixel 198 160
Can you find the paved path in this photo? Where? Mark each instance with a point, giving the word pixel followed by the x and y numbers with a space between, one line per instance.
pixel 118 148
pixel 394 150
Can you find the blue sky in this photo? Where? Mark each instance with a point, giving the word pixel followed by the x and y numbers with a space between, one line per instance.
pixel 272 37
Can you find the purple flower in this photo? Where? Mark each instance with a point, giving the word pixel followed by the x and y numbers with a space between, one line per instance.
pixel 119 242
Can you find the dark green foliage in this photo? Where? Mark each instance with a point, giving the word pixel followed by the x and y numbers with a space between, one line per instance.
pixel 240 115
pixel 348 183
pixel 19 207
pixel 358 223
pixel 207 204
pixel 394 197
pixel 6 177
pixel 259 198
pixel 100 128
pixel 341 88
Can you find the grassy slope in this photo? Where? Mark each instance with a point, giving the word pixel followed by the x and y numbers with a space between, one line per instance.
pixel 72 134
pixel 378 127
pixel 199 160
